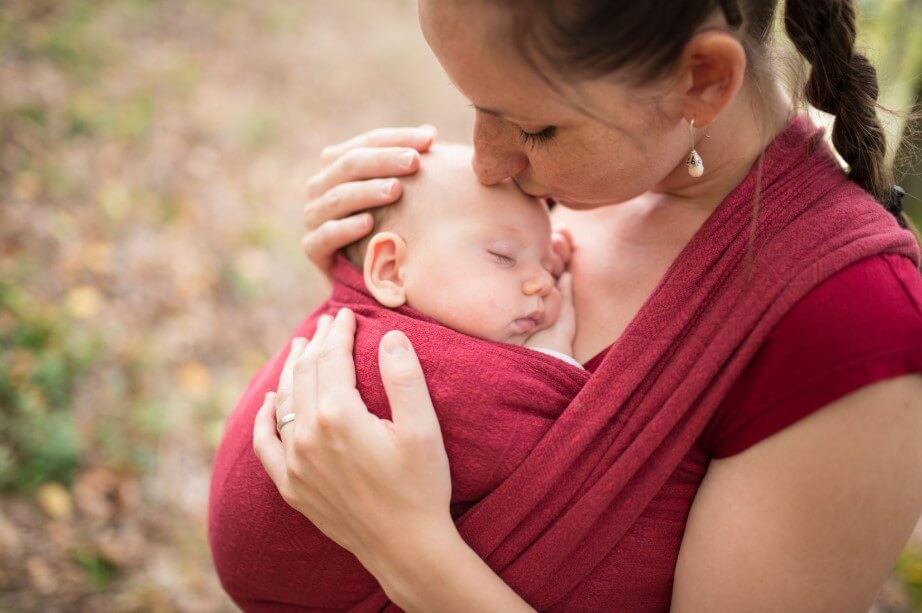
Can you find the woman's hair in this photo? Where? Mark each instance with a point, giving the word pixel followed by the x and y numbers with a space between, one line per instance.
pixel 642 40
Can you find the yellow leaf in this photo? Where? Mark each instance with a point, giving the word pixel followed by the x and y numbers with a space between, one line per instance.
pixel 194 379
pixel 84 301
pixel 55 500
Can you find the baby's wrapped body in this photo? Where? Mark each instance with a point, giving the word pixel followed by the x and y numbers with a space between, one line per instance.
pixel 494 403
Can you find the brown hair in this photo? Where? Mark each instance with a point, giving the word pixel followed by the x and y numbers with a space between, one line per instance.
pixel 642 40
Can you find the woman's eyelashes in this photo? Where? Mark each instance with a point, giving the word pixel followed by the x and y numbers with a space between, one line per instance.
pixel 503 259
pixel 535 139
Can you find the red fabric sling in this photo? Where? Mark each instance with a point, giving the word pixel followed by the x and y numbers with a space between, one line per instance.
pixel 494 402
pixel 550 522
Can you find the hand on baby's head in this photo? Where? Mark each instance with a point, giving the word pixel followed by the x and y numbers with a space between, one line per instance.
pixel 475 258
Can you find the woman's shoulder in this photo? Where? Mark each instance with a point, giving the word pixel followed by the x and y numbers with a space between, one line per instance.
pixel 861 325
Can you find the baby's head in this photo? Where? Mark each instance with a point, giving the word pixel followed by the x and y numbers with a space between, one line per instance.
pixel 473 258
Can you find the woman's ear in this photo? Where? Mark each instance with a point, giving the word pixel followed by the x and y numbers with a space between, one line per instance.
pixel 711 71
pixel 384 262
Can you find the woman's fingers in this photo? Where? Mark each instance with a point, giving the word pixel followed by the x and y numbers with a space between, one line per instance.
pixel 320 245
pixel 286 379
pixel 565 285
pixel 266 445
pixel 420 138
pixel 562 246
pixel 335 365
pixel 346 198
pixel 357 174
pixel 405 386
pixel 305 373
pixel 362 164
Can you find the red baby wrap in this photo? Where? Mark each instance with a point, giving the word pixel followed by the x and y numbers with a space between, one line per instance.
pixel 567 481
pixel 494 402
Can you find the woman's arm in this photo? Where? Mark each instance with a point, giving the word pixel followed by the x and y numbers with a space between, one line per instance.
pixel 379 488
pixel 812 518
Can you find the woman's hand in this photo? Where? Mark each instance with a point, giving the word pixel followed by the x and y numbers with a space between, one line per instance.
pixel 560 334
pixel 357 174
pixel 376 487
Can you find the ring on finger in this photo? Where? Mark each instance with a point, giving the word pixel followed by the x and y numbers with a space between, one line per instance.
pixel 284 421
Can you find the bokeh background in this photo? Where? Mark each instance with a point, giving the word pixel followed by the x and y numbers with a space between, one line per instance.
pixel 152 162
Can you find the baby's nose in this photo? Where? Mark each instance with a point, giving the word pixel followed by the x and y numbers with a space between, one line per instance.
pixel 540 284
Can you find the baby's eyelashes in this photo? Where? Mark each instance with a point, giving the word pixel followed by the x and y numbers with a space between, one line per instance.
pixel 503 259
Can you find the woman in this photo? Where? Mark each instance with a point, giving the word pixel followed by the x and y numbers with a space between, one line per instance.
pixel 803 485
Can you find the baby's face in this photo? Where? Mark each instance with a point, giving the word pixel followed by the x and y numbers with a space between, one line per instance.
pixel 477 258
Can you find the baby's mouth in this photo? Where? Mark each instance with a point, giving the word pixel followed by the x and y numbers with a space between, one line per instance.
pixel 529 323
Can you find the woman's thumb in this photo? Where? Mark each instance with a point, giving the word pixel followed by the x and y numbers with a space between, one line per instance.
pixel 404 384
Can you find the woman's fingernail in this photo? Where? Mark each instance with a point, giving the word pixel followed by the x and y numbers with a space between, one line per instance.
pixel 360 222
pixel 406 159
pixel 388 188
pixel 395 343
pixel 341 313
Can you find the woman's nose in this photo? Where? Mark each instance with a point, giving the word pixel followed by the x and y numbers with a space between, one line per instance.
pixel 496 155
pixel 540 284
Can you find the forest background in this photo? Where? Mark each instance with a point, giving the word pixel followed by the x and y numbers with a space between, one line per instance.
pixel 153 156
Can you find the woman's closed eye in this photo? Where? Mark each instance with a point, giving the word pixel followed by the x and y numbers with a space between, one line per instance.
pixel 535 139
pixel 505 260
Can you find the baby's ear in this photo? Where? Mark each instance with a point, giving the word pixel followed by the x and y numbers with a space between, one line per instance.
pixel 383 269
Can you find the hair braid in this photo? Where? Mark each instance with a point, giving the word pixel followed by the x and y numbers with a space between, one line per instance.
pixel 844 84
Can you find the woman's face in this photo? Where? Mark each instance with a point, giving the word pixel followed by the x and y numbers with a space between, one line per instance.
pixel 634 140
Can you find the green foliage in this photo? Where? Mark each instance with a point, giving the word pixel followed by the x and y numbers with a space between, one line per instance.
pixel 99 571
pixel 909 569
pixel 39 365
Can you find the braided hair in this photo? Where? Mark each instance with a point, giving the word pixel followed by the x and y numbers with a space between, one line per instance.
pixel 844 84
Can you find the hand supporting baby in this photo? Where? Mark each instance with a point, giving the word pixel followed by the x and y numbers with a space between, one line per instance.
pixel 559 335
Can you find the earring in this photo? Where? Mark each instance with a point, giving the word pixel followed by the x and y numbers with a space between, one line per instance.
pixel 693 161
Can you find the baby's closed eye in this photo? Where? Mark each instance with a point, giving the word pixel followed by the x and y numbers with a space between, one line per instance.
pixel 505 260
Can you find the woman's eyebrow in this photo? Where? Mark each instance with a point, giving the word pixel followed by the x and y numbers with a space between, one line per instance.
pixel 494 112
pixel 501 114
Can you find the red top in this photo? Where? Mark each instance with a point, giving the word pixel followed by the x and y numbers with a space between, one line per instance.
pixel 863 324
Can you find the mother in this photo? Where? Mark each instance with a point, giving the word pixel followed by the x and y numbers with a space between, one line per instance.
pixel 804 483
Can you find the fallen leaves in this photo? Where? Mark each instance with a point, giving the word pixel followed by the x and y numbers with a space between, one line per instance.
pixel 84 302
pixel 55 500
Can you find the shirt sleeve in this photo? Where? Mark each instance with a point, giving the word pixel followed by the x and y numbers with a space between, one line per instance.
pixel 860 326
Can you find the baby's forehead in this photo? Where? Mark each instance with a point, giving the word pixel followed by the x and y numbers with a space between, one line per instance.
pixel 446 185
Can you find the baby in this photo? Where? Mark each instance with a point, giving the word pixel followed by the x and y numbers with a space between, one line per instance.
pixel 476 259
pixel 463 270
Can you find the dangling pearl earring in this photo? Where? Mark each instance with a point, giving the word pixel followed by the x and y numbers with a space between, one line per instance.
pixel 694 161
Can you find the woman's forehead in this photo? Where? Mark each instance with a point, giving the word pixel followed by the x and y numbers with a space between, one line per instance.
pixel 474 47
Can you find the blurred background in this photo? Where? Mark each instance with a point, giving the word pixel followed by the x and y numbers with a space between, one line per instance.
pixel 152 162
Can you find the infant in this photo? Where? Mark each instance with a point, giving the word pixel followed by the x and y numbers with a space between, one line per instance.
pixel 476 259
